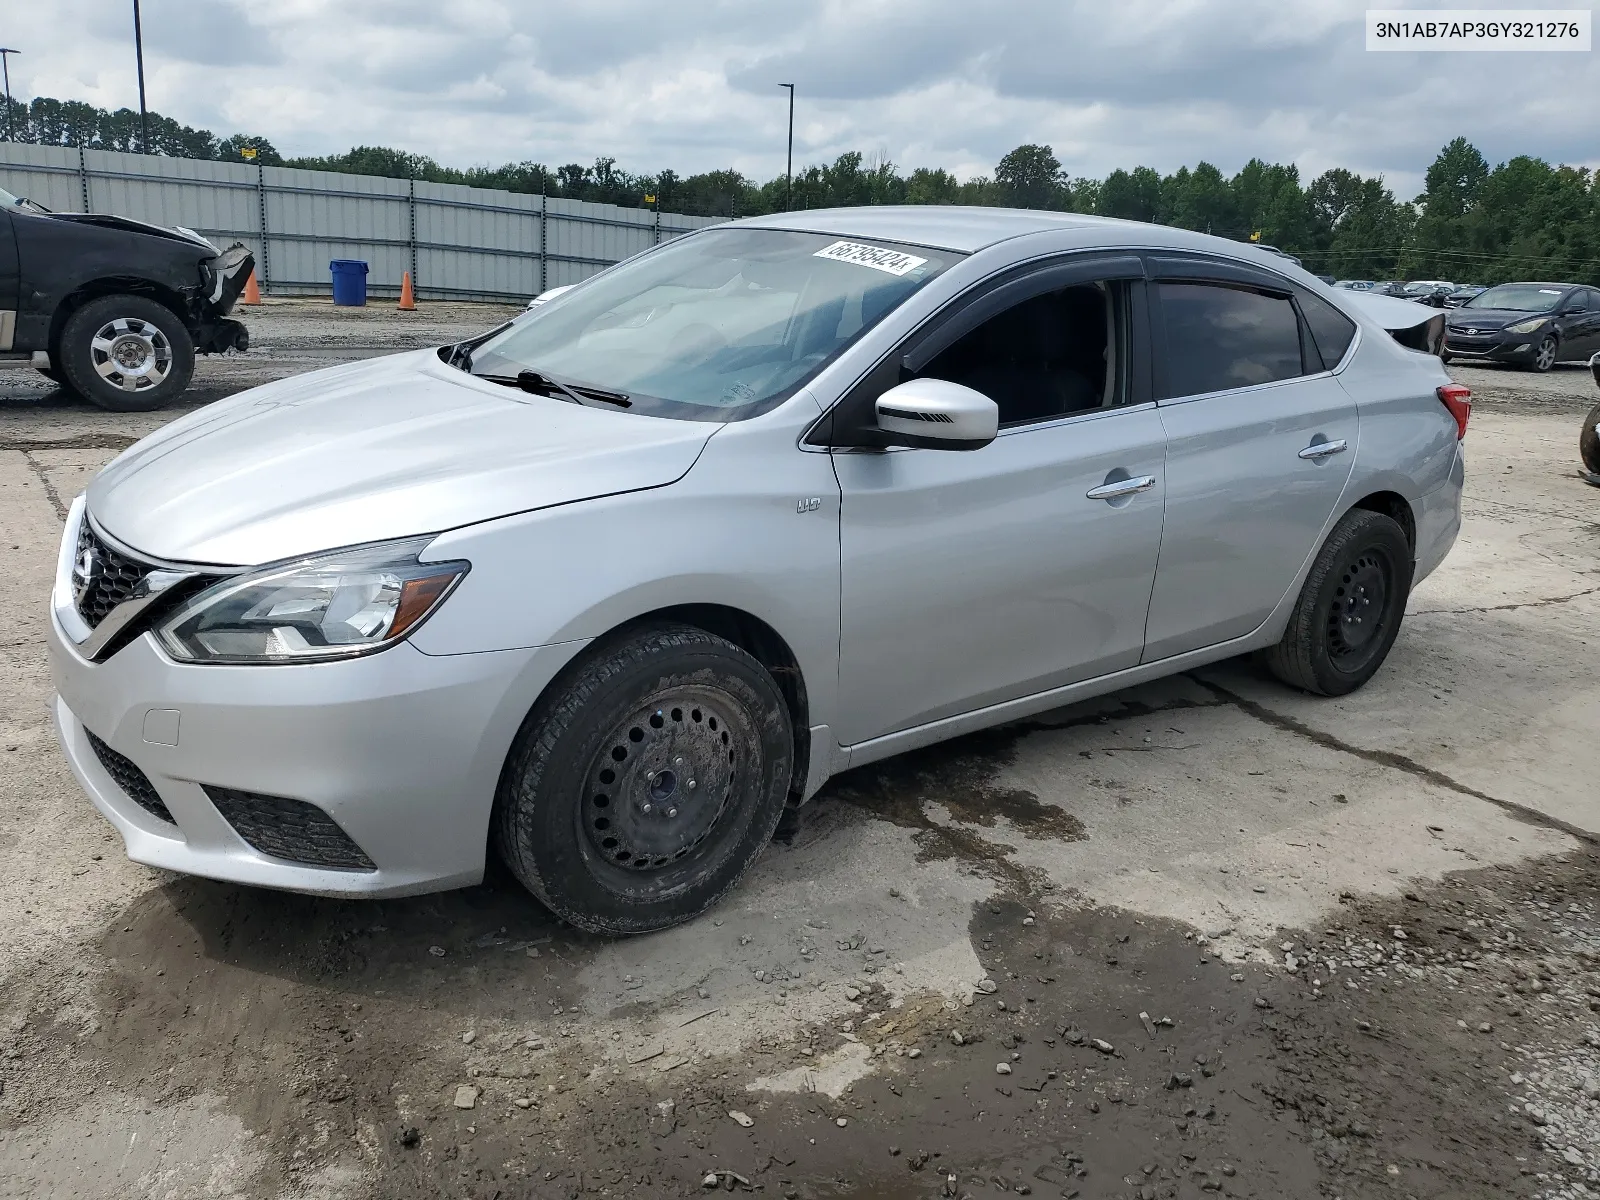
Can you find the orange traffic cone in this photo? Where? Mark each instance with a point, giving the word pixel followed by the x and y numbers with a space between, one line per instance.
pixel 408 299
pixel 252 290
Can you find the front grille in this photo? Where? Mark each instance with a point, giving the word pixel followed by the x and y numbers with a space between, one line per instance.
pixel 109 580
pixel 288 829
pixel 134 782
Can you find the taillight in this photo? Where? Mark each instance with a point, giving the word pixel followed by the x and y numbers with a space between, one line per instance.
pixel 1458 400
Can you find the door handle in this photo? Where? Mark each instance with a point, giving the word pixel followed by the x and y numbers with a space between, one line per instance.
pixel 1323 449
pixel 1122 487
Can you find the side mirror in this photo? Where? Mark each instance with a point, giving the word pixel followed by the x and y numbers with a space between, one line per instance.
pixel 934 414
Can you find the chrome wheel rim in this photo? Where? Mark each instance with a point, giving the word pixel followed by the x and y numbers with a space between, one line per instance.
pixel 1547 354
pixel 131 354
pixel 664 779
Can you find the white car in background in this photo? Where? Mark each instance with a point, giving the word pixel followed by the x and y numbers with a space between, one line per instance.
pixel 549 294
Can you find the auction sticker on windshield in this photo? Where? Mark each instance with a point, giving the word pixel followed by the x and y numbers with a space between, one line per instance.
pixel 892 261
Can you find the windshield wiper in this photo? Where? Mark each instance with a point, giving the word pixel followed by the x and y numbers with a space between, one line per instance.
pixel 542 383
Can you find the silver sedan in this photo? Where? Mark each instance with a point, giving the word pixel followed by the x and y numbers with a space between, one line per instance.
pixel 612 587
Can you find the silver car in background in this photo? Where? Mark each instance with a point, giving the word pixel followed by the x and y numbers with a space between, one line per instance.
pixel 611 587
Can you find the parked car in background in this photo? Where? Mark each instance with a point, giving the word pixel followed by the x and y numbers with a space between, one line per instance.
pixel 1278 252
pixel 1462 294
pixel 612 587
pixel 1355 285
pixel 550 294
pixel 1534 325
pixel 1589 434
pixel 113 308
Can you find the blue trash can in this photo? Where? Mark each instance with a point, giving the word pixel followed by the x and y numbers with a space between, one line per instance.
pixel 349 282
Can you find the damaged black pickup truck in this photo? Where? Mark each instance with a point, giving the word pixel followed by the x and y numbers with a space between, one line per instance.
pixel 111 308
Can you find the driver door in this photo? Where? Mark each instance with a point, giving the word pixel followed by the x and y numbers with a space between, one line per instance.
pixel 970 578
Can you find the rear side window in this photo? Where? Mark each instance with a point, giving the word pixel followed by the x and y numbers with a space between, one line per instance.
pixel 1331 330
pixel 1221 337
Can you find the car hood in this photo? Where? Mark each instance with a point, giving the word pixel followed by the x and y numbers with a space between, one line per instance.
pixel 173 233
pixel 1489 318
pixel 385 448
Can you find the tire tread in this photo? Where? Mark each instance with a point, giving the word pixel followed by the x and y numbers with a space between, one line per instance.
pixel 1293 659
pixel 553 717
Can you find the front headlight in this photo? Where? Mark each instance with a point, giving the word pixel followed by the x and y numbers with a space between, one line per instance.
pixel 335 605
pixel 1526 326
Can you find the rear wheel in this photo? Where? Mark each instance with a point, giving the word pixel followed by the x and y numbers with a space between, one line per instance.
pixel 126 353
pixel 641 789
pixel 1349 610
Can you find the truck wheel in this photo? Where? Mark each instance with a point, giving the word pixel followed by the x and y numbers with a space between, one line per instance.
pixel 645 783
pixel 1350 608
pixel 126 353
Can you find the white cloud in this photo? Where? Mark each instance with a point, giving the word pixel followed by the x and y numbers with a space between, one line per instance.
pixel 693 85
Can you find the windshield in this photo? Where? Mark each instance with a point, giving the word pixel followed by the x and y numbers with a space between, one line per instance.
pixel 718 326
pixel 1518 297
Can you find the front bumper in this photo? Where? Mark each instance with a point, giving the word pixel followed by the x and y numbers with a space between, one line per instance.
pixel 1503 347
pixel 401 749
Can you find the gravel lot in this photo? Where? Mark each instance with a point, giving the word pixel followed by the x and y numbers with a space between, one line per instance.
pixel 1207 936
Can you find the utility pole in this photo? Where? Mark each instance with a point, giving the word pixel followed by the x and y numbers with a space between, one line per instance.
pixel 5 66
pixel 138 51
pixel 788 174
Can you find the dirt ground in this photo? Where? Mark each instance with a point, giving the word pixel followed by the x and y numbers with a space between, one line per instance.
pixel 1203 937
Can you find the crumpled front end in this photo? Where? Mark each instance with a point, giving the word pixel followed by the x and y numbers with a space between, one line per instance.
pixel 222 279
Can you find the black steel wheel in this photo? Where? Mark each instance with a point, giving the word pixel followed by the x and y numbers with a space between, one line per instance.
pixel 1350 608
pixel 126 353
pixel 646 782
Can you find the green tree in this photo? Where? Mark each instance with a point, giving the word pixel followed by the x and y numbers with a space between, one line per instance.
pixel 1030 177
pixel 1133 195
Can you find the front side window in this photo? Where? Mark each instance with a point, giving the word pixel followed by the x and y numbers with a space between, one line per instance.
pixel 718 326
pixel 1049 356
pixel 1221 337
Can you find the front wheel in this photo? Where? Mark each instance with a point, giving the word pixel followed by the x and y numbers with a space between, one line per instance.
pixel 640 789
pixel 126 353
pixel 1544 354
pixel 1350 608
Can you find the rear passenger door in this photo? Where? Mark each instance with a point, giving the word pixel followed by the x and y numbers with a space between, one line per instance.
pixel 1260 442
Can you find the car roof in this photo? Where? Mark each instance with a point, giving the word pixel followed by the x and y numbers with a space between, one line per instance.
pixel 1535 283
pixel 967 229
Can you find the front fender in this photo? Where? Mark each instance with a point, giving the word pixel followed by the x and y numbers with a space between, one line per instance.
pixel 752 527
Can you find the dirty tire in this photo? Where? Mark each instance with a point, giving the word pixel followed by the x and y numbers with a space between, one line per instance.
pixel 142 319
pixel 663 719
pixel 1349 610
pixel 1589 441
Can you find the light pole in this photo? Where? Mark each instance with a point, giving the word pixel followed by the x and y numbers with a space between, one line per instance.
pixel 5 66
pixel 788 173
pixel 138 51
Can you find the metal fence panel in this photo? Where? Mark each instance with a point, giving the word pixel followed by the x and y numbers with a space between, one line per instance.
pixel 459 242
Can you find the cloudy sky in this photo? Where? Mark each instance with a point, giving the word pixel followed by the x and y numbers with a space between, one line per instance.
pixel 692 84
